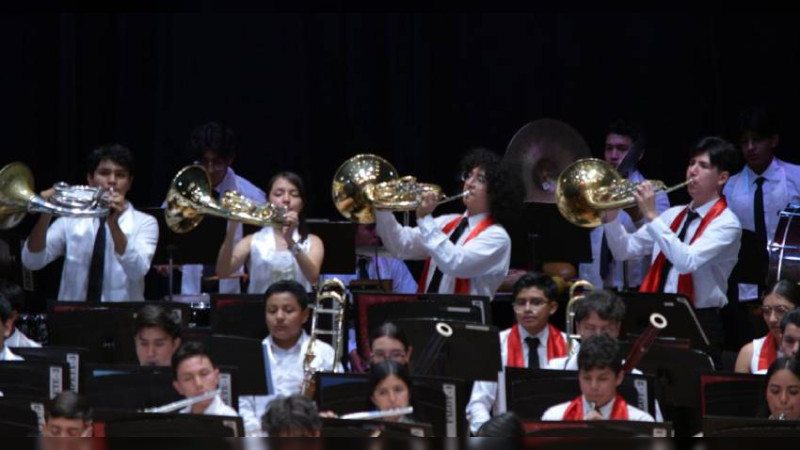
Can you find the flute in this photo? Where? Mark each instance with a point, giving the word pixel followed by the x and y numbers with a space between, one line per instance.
pixel 180 404
pixel 368 415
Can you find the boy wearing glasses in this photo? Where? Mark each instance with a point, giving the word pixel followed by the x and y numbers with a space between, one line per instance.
pixel 531 343
pixel 466 253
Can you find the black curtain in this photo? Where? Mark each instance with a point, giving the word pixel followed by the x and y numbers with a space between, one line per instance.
pixel 306 91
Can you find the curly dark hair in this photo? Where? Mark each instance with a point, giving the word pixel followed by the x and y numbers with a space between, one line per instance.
pixel 599 352
pixel 503 188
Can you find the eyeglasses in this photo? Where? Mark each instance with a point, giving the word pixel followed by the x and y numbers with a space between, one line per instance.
pixel 394 355
pixel 521 304
pixel 779 310
pixel 479 178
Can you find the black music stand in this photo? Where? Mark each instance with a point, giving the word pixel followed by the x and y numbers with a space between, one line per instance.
pixel 598 429
pixel 548 236
pixel 238 315
pixel 731 394
pixel 108 334
pixel 481 302
pixel 44 379
pixel 245 354
pixel 530 392
pixel 682 322
pixel 453 356
pixel 71 356
pixel 366 428
pixel 17 420
pixel 439 401
pixel 115 424
pixel 127 387
pixel 715 426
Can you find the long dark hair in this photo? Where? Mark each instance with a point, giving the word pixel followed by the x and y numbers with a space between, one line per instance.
pixel 384 369
pixel 389 330
pixel 789 363
pixel 291 177
pixel 786 289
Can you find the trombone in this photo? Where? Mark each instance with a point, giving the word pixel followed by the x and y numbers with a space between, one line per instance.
pixel 190 197
pixel 574 297
pixel 590 186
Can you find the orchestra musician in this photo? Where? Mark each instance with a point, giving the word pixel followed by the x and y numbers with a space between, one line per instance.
pixel 790 333
pixel 124 249
pixel 284 252
pixel 194 374
pixel 466 253
pixel 758 355
pixel 292 416
pixel 390 388
pixel 68 414
pixel 697 260
pixel 783 389
pixel 5 319
pixel 532 342
pixel 16 297
pixel 157 334
pixel 599 373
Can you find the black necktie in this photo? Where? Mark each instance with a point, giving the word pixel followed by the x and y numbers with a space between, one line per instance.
pixel 533 352
pixel 758 213
pixel 363 274
pixel 605 258
pixel 690 217
pixel 433 286
pixel 95 286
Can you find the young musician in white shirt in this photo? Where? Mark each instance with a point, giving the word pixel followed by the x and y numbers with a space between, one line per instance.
pixel 130 243
pixel 157 335
pixel 68 415
pixel 531 340
pixel 600 374
pixel 697 261
pixel 756 356
pixel 477 262
pixel 790 333
pixel 286 309
pixel 16 297
pixel 195 374
pixel 5 322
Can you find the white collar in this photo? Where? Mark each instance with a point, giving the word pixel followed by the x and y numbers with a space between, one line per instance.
pixel 771 172
pixel 705 207
pixel 542 335
pixel 476 219
pixel 274 348
pixel 605 410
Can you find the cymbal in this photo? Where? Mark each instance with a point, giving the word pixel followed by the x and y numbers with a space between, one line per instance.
pixel 541 150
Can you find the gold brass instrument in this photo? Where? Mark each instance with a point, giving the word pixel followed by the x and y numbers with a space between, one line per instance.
pixel 367 182
pixel 642 344
pixel 590 186
pixel 332 301
pixel 17 198
pixel 190 198
pixel 574 296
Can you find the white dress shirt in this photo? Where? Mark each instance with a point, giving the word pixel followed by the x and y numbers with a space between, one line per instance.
pixel 483 401
pixel 556 413
pixel 192 274
pixel 782 186
pixel 73 238
pixel 18 339
pixel 286 374
pixel 710 259
pixel 388 268
pixel 7 355
pixel 484 260
pixel 268 265
pixel 216 408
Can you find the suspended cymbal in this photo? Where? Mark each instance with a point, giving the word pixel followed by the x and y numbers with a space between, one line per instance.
pixel 540 150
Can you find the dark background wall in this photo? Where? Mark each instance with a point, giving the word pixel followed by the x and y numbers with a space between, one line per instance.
pixel 306 91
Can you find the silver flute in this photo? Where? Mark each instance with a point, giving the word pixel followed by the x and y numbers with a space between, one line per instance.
pixel 180 404
pixel 367 415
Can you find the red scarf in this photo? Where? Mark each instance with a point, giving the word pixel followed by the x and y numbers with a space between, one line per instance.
pixel 685 283
pixel 769 352
pixel 556 346
pixel 462 285
pixel 618 412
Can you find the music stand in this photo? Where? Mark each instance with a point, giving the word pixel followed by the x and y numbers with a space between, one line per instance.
pixel 368 428
pixel 714 426
pixel 455 357
pixel 25 403
pixel 549 237
pixel 481 302
pixel 731 394
pixel 363 302
pixel 243 353
pixel 108 334
pixel 598 429
pixel 238 315
pixel 675 308
pixel 503 316
pixel 128 388
pixel 530 392
pixel 33 378
pixel 17 420
pixel 182 310
pixel 69 355
pixel 115 424
pixel 439 401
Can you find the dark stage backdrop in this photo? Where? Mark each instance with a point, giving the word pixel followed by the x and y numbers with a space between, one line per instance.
pixel 306 91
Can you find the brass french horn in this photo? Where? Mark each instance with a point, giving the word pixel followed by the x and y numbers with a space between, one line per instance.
pixel 17 198
pixel 590 186
pixel 367 182
pixel 190 198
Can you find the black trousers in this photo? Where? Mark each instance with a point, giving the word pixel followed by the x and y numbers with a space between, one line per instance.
pixel 711 322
